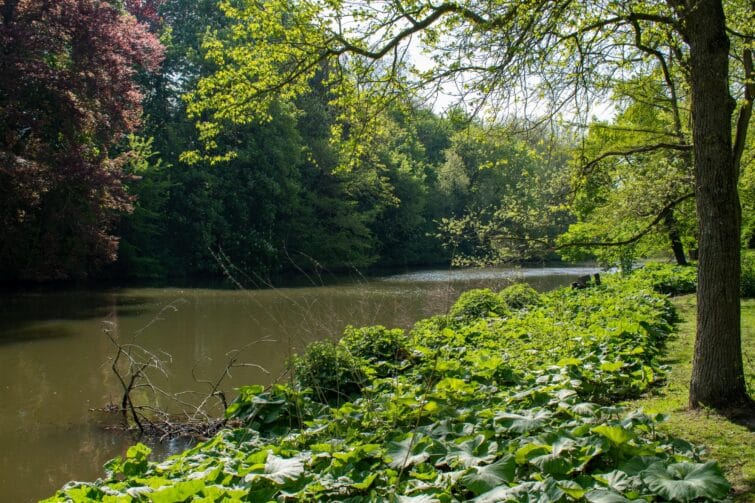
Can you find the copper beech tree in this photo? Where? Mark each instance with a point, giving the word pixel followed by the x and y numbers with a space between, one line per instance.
pixel 68 96
pixel 529 57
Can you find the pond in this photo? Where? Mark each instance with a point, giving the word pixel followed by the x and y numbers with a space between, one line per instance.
pixel 56 350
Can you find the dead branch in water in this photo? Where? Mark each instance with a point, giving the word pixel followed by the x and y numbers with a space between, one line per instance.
pixel 134 367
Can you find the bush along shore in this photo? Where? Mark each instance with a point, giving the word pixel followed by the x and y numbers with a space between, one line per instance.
pixel 510 397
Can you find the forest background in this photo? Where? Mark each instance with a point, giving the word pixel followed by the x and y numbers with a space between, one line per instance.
pixel 106 175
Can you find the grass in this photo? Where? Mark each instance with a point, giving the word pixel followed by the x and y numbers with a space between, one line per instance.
pixel 730 443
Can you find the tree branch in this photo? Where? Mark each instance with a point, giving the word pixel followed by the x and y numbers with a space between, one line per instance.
pixel 666 76
pixel 661 215
pixel 632 151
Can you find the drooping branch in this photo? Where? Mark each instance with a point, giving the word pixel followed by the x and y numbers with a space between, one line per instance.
pixel 613 127
pixel 550 246
pixel 416 27
pixel 658 218
pixel 631 151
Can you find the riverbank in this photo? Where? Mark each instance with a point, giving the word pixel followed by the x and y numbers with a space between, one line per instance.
pixel 49 397
pixel 730 441
pixel 510 396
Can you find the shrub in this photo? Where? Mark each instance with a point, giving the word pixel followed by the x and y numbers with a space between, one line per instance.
pixel 380 348
pixel 747 284
pixel 478 303
pixel 519 296
pixel 330 370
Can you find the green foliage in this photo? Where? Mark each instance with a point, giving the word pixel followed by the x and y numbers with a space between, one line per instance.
pixel 679 280
pixel 669 279
pixel 519 296
pixel 516 408
pixel 142 245
pixel 687 481
pixel 623 178
pixel 478 303
pixel 501 196
pixel 383 350
pixel 273 411
pixel 329 370
pixel 747 285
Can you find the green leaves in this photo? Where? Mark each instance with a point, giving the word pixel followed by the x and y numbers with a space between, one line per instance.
pixel 687 481
pixel 136 460
pixel 448 427
pixel 517 423
pixel 178 492
pixel 410 451
pixel 281 470
pixel 604 496
pixel 616 434
pixel 481 479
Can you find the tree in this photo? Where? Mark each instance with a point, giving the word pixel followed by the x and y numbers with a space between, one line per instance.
pixel 501 194
pixel 633 182
pixel 68 97
pixel 520 55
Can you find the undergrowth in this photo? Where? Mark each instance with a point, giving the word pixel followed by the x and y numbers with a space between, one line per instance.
pixel 679 280
pixel 493 402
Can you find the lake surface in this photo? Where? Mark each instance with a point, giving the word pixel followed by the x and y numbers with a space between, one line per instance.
pixel 56 354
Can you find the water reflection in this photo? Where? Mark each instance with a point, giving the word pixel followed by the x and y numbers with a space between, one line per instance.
pixel 55 357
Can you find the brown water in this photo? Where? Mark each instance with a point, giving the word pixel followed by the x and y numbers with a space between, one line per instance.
pixel 55 358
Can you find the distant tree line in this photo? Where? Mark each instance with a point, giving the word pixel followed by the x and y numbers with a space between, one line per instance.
pixel 111 164
pixel 93 170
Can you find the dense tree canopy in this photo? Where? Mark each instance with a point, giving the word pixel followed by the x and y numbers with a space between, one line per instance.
pixel 67 98
pixel 517 55
pixel 633 179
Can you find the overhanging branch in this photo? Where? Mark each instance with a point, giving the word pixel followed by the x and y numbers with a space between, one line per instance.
pixel 661 215
pixel 637 150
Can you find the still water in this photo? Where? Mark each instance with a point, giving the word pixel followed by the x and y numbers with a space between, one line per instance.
pixel 56 354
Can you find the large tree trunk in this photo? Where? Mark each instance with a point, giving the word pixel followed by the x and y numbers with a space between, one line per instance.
pixel 717 372
pixel 673 235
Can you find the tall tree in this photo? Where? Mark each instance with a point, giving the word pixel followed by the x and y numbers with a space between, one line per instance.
pixel 519 54
pixel 68 97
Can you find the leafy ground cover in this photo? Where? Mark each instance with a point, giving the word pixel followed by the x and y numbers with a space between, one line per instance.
pixel 729 440
pixel 510 397
pixel 678 280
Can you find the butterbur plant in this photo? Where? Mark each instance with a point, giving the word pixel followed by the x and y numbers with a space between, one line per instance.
pixel 669 279
pixel 329 370
pixel 383 350
pixel 478 303
pixel 519 296
pixel 517 408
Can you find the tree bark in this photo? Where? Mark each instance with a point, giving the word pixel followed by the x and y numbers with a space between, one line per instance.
pixel 717 371
pixel 676 240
